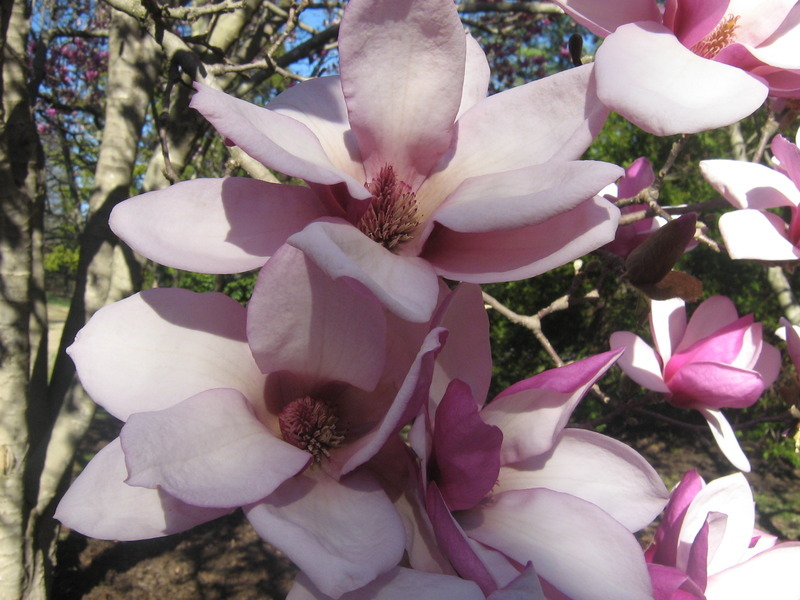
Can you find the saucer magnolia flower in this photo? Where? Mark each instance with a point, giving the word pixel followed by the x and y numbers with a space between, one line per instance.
pixel 752 232
pixel 716 360
pixel 412 171
pixel 706 547
pixel 694 65
pixel 208 431
pixel 505 484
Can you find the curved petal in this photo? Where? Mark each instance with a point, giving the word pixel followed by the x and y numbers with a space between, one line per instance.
pixel 527 196
pixel 771 574
pixel 737 344
pixel 159 347
pixel 209 450
pixel 515 254
pixel 273 139
pixel 101 505
pixel 715 385
pixel 566 539
pixel 713 314
pixel 666 540
pixel 603 19
pixel 597 469
pixel 532 413
pixel 726 438
pixel 646 75
pixel 214 225
pixel 670 583
pixel 406 285
pixel 761 19
pixel 476 76
pixel 692 20
pixel 756 235
pixel 342 534
pixel 750 185
pixel 668 324
pixel 402 68
pixel 290 327
pixel 639 361
pixel 638 176
pixel 553 118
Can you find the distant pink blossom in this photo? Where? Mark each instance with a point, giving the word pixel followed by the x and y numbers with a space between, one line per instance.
pixel 693 65
pixel 638 176
pixel 412 171
pixel 716 360
pixel 752 231
pixel 706 546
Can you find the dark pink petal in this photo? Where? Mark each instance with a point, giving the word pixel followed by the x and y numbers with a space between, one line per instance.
pixel 603 19
pixel 209 450
pixel 454 543
pixel 406 285
pixel 735 344
pixel 697 563
pixel 341 534
pixel 402 68
pixel 290 327
pixel 466 451
pixel 638 176
pixel 527 196
pixel 214 225
pixel 398 584
pixel 667 536
pixel 567 540
pixel 413 393
pixel 159 347
pixel 692 20
pixel 598 469
pixel 646 75
pixel 712 315
pixel 771 574
pixel 714 385
pixel 532 413
pixel 670 583
pixel 101 505
pixel 515 254
pixel 275 140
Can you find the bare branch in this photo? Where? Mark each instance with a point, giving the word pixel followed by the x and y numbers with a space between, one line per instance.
pixel 535 8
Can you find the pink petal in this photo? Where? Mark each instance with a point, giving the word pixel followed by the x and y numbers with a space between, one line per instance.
pixel 736 344
pixel 792 342
pixel 730 496
pixel 476 76
pixel 101 505
pixel 604 19
pixel 726 438
pixel 527 196
pixel 406 285
pixel 645 74
pixel 466 450
pixel 750 185
pixel 209 450
pixel 566 539
pixel 290 327
pixel 525 252
pixel 342 535
pixel 668 535
pixel 532 413
pixel 214 225
pixel 788 154
pixel 771 574
pixel 713 314
pixel 714 385
pixel 639 361
pixel 670 583
pixel 158 347
pixel 692 20
pixel 762 20
pixel 629 489
pixel 638 176
pixel 397 584
pixel 402 68
pixel 319 104
pixel 756 235
pixel 668 325
pixel 275 140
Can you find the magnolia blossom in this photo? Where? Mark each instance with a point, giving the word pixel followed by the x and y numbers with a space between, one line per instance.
pixel 285 435
pixel 752 232
pixel 706 547
pixel 504 484
pixel 714 361
pixel 691 66
pixel 412 171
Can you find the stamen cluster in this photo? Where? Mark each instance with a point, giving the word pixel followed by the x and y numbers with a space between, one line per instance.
pixel 310 425
pixel 721 37
pixel 391 217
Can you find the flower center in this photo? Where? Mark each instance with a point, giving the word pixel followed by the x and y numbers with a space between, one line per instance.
pixel 723 36
pixel 391 217
pixel 310 425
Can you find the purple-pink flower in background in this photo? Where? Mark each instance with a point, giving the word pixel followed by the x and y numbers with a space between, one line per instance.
pixel 412 171
pixel 706 546
pixel 752 232
pixel 693 65
pixel 716 360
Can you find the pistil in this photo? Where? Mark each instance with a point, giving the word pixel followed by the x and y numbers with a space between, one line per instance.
pixel 391 217
pixel 311 425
